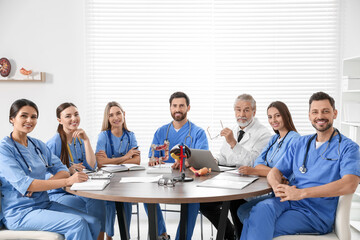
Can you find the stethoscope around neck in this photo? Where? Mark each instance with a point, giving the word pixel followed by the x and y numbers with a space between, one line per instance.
pixel 37 150
pixel 303 168
pixel 277 149
pixel 121 141
pixel 187 136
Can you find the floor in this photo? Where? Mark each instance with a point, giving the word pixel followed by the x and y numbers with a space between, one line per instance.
pixel 172 220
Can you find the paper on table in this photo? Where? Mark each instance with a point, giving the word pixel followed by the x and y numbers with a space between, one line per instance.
pixel 90 185
pixel 228 181
pixel 140 179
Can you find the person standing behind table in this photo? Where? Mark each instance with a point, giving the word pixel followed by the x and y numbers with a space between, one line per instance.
pixel 242 145
pixel 72 146
pixel 281 122
pixel 324 166
pixel 179 131
pixel 25 161
pixel 116 145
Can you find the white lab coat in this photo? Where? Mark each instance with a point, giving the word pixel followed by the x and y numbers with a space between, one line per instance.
pixel 248 149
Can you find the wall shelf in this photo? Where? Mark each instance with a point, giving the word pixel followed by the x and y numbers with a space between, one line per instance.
pixel 40 78
pixel 355 124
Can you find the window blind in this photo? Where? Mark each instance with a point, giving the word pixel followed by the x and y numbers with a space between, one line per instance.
pixel 139 52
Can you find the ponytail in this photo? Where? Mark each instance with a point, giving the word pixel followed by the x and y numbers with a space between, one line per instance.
pixel 64 155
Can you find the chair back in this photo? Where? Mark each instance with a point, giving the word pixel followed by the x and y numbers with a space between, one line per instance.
pixel 342 218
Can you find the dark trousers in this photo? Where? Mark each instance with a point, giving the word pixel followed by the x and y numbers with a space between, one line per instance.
pixel 212 212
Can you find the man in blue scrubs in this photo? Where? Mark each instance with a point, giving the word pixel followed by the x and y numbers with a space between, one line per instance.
pixel 325 165
pixel 179 131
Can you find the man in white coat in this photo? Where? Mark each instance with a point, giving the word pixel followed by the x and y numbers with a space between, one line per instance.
pixel 242 145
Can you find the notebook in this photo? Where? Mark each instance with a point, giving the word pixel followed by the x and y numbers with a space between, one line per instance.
pixel 226 181
pixel 122 167
pixel 100 175
pixel 160 169
pixel 203 158
pixel 90 185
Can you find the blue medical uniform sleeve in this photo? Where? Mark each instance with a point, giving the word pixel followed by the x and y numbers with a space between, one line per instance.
pixel 285 164
pixel 54 144
pixel 12 171
pixel 261 158
pixel 350 159
pixel 101 142
pixel 133 142
pixel 200 141
pixel 155 141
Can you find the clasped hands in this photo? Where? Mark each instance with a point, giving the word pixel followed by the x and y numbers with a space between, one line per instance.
pixel 287 193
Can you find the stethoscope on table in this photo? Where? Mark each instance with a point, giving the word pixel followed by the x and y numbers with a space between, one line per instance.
pixel 277 149
pixel 76 153
pixel 121 141
pixel 303 168
pixel 37 150
pixel 187 136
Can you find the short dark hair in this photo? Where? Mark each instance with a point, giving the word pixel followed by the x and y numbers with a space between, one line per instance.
pixel 322 96
pixel 180 95
pixel 18 104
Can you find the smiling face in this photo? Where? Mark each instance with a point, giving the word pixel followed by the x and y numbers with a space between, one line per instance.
pixel 275 119
pixel 70 119
pixel 179 109
pixel 244 113
pixel 25 120
pixel 116 117
pixel 322 115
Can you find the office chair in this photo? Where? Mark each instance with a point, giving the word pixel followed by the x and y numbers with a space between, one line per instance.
pixel 28 235
pixel 341 228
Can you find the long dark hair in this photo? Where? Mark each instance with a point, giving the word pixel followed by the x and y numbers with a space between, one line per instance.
pixel 285 114
pixel 18 104
pixel 64 155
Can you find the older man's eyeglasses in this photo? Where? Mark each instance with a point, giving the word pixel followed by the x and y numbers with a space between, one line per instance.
pixel 218 135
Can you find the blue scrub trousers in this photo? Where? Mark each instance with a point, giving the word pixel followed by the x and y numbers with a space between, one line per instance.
pixel 244 209
pixel 271 218
pixel 72 223
pixel 193 209
pixel 93 207
pixel 110 216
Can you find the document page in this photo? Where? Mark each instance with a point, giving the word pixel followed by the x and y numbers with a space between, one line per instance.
pixel 228 181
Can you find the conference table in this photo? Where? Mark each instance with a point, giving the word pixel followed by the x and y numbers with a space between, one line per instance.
pixel 182 193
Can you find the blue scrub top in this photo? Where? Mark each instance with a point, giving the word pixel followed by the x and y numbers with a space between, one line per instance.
pixel 126 142
pixel 77 150
pixel 275 153
pixel 16 177
pixel 320 171
pixel 199 140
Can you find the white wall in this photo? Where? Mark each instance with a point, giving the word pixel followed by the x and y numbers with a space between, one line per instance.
pixel 44 36
pixel 49 37
pixel 350 28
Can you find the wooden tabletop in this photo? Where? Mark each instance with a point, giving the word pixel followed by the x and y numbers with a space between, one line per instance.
pixel 183 192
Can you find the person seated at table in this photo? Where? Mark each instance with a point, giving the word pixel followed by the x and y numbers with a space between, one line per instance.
pixel 242 145
pixel 280 120
pixel 323 167
pixel 25 161
pixel 72 145
pixel 179 131
pixel 116 145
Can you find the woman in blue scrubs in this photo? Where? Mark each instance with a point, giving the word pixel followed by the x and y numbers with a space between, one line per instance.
pixel 280 120
pixel 72 146
pixel 24 163
pixel 116 145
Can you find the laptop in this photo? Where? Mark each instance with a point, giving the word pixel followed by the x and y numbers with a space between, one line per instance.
pixel 203 158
